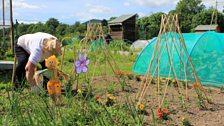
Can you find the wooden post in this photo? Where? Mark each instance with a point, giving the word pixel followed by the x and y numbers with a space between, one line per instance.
pixel 13 70
pixel 3 23
pixel 62 59
pixel 11 28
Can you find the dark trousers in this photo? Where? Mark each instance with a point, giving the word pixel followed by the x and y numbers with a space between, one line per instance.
pixel 22 58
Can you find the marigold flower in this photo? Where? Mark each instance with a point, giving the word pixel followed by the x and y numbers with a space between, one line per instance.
pixel 195 84
pixel 129 73
pixel 141 106
pixel 165 111
pixel 97 97
pixel 119 71
pixel 160 114
pixel 168 79
pixel 183 119
pixel 79 90
pixel 125 73
pixel 110 96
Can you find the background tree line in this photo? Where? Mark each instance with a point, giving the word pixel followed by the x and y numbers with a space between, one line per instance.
pixel 190 12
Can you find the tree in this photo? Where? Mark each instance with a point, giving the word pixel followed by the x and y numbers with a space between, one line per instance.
pixel 52 24
pixel 22 29
pixel 39 27
pixel 104 22
pixel 150 25
pixel 186 9
pixel 112 18
pixel 61 29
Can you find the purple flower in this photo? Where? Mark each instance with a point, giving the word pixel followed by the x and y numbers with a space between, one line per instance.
pixel 81 64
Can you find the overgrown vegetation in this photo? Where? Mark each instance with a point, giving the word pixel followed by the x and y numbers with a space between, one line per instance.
pixel 99 108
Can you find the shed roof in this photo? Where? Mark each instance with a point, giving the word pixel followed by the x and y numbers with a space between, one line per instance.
pixel 121 19
pixel 95 21
pixel 206 27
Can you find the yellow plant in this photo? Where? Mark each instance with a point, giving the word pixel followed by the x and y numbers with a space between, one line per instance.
pixel 141 106
pixel 79 91
pixel 168 79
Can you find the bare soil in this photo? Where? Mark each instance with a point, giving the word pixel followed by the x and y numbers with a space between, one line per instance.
pixel 212 114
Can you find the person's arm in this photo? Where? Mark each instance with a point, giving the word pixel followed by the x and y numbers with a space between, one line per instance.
pixel 30 70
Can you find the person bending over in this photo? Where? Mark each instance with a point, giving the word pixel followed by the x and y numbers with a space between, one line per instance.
pixel 30 50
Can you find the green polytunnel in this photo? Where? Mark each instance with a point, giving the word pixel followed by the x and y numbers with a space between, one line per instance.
pixel 206 51
pixel 96 44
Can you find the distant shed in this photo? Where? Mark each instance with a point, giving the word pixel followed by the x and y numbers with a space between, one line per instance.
pixel 204 28
pixel 93 21
pixel 123 27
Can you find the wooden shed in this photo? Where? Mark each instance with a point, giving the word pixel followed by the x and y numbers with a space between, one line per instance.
pixel 204 28
pixel 123 28
pixel 94 21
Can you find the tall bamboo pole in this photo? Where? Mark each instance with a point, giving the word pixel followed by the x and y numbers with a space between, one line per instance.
pixel 11 28
pixel 3 23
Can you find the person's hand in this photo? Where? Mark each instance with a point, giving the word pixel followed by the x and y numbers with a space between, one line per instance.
pixel 30 70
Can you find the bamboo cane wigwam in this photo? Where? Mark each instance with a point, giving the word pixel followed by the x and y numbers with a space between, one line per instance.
pixel 169 44
pixel 95 37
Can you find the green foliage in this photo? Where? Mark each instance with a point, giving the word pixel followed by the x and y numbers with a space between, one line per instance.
pixel 9 55
pixel 61 29
pixel 52 22
pixel 201 100
pixel 111 88
pixel 119 45
pixel 150 25
pixel 29 109
pixel 186 9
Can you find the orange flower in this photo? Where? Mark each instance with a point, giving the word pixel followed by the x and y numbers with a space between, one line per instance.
pixel 129 73
pixel 165 111
pixel 141 106
pixel 143 78
pixel 160 114
pixel 124 73
pixel 119 71
pixel 97 97
pixel 195 84
pixel 174 81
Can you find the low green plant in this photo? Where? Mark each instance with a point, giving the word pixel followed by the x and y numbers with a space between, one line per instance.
pixel 111 88
pixel 201 101
pixel 222 89
pixel 185 121
pixel 119 45
pixel 182 105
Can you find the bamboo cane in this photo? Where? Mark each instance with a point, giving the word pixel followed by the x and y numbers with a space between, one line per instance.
pixel 13 70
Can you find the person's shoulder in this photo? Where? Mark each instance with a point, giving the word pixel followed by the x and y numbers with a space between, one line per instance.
pixel 45 35
pixel 25 36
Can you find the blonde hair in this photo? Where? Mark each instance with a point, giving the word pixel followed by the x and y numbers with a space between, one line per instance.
pixel 52 45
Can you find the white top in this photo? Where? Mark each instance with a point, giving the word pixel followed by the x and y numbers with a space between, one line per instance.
pixel 33 44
